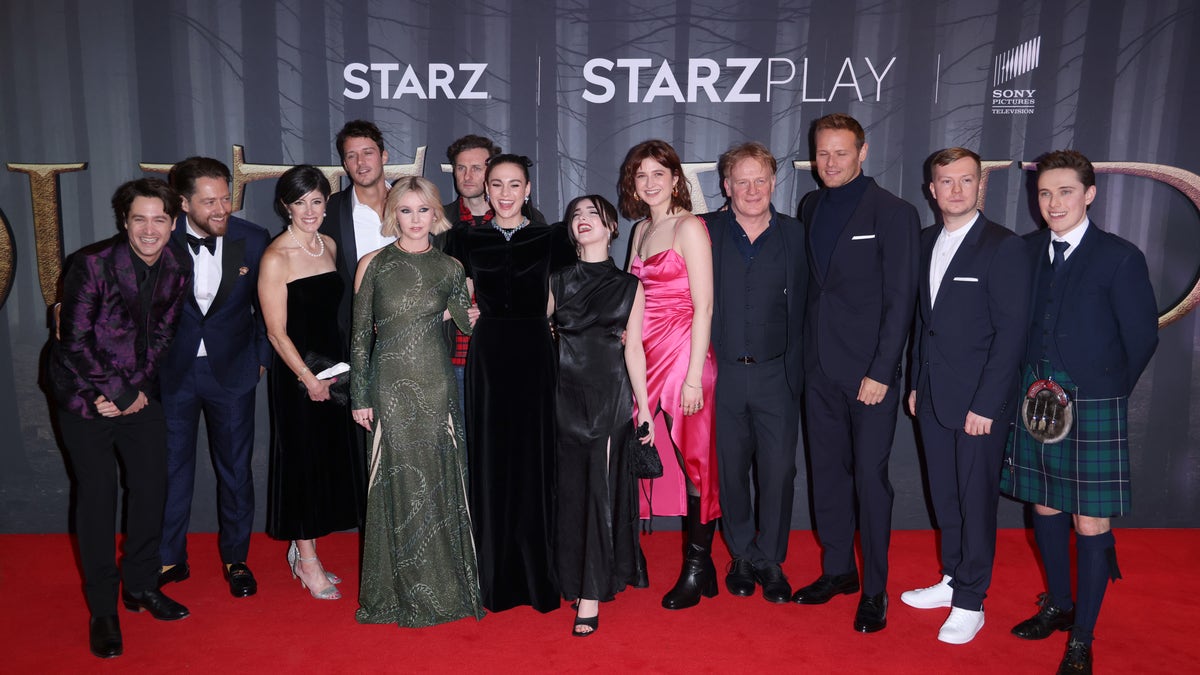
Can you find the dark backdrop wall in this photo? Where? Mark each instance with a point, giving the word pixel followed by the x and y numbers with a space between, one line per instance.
pixel 92 94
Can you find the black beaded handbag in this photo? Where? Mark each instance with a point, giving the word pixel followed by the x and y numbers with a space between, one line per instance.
pixel 644 461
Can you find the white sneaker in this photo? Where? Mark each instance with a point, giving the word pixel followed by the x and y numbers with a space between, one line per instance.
pixel 961 626
pixel 938 595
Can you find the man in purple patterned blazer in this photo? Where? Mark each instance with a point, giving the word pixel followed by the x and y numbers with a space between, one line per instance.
pixel 121 302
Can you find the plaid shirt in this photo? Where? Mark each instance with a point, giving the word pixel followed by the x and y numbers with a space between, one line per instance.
pixel 462 342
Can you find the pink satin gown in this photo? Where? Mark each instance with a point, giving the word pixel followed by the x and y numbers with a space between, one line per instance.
pixel 666 337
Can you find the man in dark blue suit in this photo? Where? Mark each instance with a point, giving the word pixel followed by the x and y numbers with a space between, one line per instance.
pixel 863 249
pixel 969 338
pixel 1093 326
pixel 760 279
pixel 219 353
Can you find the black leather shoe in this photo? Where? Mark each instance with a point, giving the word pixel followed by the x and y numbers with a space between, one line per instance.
pixel 176 574
pixel 241 580
pixel 160 606
pixel 1077 660
pixel 872 613
pixel 1043 624
pixel 774 584
pixel 104 636
pixel 825 587
pixel 739 577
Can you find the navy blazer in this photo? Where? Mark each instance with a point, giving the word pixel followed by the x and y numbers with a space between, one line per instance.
pixel 1107 328
pixel 234 335
pixel 967 348
pixel 339 226
pixel 791 235
pixel 861 311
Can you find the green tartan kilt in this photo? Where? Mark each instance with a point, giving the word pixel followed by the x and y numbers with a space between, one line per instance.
pixel 1087 473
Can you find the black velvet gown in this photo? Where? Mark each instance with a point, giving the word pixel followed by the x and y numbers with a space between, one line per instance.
pixel 510 381
pixel 597 541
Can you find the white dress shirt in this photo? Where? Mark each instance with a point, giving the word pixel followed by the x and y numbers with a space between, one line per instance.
pixel 368 235
pixel 1073 238
pixel 206 275
pixel 943 252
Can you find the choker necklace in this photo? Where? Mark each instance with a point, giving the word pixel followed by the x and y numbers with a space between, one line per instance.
pixel 424 250
pixel 320 240
pixel 507 232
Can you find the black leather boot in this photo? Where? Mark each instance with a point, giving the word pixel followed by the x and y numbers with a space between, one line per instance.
pixel 699 575
pixel 641 576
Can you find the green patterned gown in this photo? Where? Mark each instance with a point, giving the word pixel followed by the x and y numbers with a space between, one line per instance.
pixel 418 554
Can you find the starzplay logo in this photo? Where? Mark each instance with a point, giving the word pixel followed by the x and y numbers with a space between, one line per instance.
pixel 1011 65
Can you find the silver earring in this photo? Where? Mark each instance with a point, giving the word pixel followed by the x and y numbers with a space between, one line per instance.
pixel 486 198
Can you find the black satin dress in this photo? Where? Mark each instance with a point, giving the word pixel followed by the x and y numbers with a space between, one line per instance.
pixel 510 382
pixel 597 541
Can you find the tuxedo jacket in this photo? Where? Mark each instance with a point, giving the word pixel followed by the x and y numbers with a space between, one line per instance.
pixel 234 335
pixel 101 323
pixel 968 346
pixel 860 310
pixel 339 226
pixel 790 235
pixel 1107 327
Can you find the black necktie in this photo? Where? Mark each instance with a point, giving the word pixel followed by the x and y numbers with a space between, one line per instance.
pixel 1060 249
pixel 209 243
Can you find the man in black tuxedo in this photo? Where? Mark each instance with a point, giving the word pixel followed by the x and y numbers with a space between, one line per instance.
pixel 863 249
pixel 760 280
pixel 970 333
pixel 219 353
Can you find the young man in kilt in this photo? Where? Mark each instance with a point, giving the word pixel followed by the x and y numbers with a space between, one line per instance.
pixel 1093 328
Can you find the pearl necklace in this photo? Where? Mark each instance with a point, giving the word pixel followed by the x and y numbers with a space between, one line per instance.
pixel 320 240
pixel 507 233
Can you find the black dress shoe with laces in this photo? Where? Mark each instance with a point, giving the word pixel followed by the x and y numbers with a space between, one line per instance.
pixel 774 584
pixel 1043 624
pixel 1077 660
pixel 175 574
pixel 872 613
pixel 160 606
pixel 739 578
pixel 104 636
pixel 825 587
pixel 241 580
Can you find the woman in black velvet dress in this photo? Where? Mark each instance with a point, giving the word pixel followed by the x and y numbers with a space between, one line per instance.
pixel 510 379
pixel 595 305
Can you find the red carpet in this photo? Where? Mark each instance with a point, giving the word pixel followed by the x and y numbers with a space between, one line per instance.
pixel 1145 626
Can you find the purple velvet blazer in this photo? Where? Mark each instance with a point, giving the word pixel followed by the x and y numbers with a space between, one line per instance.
pixel 102 322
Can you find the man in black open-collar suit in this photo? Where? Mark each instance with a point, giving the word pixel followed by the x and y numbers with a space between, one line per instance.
pixel 862 246
pixel 219 353
pixel 969 338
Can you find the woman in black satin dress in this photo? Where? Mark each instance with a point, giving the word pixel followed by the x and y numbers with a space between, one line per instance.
pixel 595 306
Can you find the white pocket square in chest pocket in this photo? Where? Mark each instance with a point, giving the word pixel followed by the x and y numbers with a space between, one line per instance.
pixel 972 280
pixel 859 237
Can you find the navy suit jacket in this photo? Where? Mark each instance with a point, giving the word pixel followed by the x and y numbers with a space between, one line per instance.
pixel 339 226
pixel 968 346
pixel 791 235
pixel 233 331
pixel 861 311
pixel 1107 328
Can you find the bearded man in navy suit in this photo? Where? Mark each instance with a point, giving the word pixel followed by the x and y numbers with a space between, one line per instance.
pixel 219 354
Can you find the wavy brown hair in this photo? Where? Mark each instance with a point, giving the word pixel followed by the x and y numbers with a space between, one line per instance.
pixel 631 206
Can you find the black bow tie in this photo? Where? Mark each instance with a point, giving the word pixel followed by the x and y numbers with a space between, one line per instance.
pixel 209 243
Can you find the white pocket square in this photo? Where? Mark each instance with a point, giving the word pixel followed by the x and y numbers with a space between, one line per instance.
pixel 973 280
pixel 857 237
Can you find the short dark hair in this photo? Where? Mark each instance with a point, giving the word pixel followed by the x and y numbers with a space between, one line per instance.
pixel 750 150
pixel 297 182
pixel 183 175
pixel 471 142
pixel 843 122
pixel 949 156
pixel 608 215
pixel 154 188
pixel 1069 159
pixel 632 207
pixel 357 129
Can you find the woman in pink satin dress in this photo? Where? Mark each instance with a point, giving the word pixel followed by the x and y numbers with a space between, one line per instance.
pixel 673 257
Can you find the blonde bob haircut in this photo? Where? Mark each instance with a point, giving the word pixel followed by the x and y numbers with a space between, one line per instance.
pixel 429 194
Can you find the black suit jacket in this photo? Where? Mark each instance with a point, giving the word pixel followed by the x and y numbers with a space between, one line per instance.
pixel 860 312
pixel 967 348
pixel 339 226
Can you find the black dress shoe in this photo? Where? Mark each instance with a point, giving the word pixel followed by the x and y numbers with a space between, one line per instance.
pixel 739 578
pixel 160 606
pixel 104 636
pixel 241 580
pixel 774 584
pixel 1043 624
pixel 1077 660
pixel 176 574
pixel 872 613
pixel 824 588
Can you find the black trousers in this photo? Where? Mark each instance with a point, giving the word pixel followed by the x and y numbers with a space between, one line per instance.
pixel 95 446
pixel 849 445
pixel 757 424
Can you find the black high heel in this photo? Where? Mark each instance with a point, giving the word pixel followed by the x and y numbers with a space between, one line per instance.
pixel 592 622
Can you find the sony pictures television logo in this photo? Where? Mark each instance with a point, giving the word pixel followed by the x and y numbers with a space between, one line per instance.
pixel 1012 65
